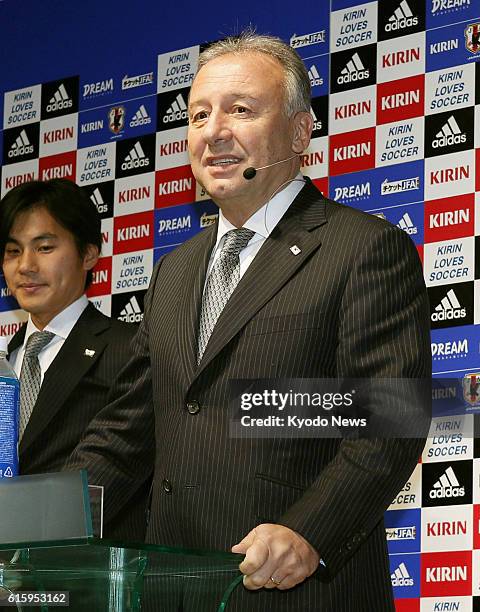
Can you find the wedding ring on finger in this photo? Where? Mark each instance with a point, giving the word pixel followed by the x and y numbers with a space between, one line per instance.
pixel 275 581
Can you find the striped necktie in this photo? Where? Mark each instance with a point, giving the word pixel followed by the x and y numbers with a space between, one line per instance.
pixel 30 376
pixel 221 282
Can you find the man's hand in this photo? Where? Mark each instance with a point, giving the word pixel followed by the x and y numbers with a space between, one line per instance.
pixel 275 557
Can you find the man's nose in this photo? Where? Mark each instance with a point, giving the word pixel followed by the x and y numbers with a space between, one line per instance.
pixel 27 261
pixel 217 129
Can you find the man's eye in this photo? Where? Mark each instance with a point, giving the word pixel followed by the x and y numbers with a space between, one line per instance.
pixel 200 116
pixel 45 248
pixel 241 110
pixel 11 251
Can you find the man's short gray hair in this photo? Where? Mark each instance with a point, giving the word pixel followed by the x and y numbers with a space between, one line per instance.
pixel 296 81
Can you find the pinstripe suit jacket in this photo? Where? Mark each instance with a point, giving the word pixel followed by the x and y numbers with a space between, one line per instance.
pixel 352 303
pixel 74 389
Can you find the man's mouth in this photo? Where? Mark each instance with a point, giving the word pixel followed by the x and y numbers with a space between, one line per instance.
pixel 30 287
pixel 223 161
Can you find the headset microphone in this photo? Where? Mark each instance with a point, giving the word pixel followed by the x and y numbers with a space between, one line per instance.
pixel 250 172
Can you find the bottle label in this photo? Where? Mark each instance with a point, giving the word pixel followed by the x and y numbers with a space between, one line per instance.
pixel 9 407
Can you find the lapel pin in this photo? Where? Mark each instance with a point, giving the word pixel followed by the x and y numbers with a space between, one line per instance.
pixel 89 353
pixel 295 249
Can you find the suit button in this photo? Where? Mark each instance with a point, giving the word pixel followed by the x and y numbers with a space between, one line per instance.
pixel 193 407
pixel 167 485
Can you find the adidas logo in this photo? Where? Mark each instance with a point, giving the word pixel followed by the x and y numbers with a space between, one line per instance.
pixel 449 308
pixel 450 134
pixel 315 78
pixel 136 158
pixel 97 199
pixel 141 117
pixel 59 100
pixel 406 224
pixel 401 577
pixel 132 312
pixel 447 486
pixel 317 125
pixel 353 71
pixel 176 111
pixel 21 146
pixel 401 18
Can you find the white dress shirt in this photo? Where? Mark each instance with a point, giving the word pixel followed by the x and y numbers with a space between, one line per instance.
pixel 262 222
pixel 61 326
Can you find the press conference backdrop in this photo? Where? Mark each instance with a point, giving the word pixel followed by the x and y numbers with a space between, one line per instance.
pixel 98 94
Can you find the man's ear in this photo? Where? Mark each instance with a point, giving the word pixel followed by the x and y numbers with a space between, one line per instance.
pixel 302 131
pixel 90 257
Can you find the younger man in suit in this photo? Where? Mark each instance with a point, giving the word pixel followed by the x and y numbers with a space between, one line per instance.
pixel 50 240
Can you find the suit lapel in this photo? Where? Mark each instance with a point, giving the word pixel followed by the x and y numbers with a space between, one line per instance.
pixel 17 340
pixel 273 266
pixel 197 258
pixel 78 354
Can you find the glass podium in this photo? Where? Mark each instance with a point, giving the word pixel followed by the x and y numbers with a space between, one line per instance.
pixel 102 576
pixel 50 559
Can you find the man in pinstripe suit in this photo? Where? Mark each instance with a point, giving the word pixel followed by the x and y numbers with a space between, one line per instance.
pixel 324 291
